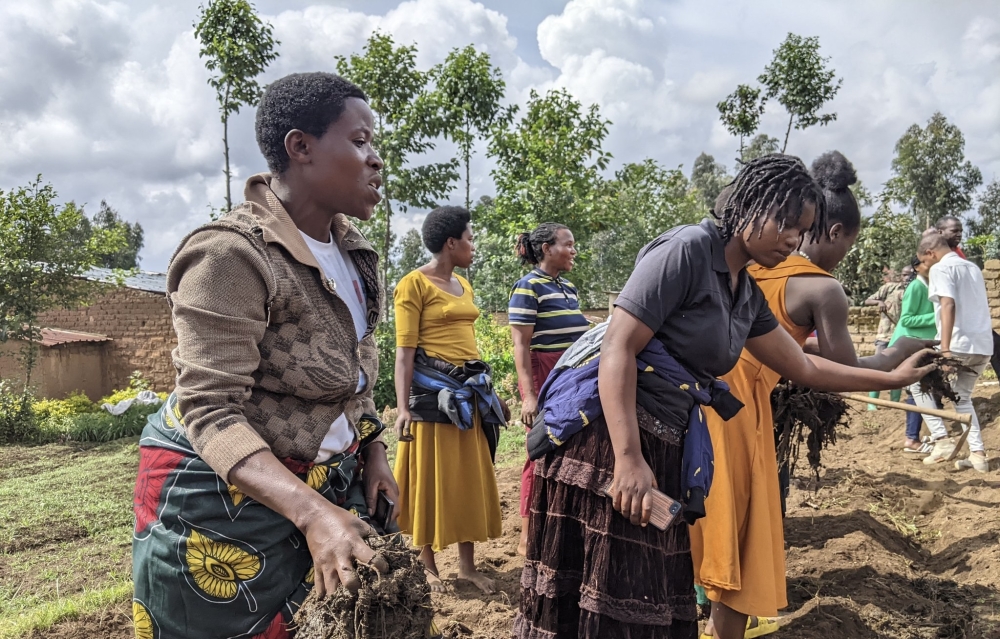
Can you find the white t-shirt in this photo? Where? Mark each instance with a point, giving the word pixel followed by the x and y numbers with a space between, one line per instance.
pixel 339 269
pixel 962 281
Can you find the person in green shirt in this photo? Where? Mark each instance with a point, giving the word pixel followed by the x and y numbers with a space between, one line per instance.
pixel 916 319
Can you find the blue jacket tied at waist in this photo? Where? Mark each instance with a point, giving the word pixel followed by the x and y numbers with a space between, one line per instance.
pixel 445 393
pixel 569 401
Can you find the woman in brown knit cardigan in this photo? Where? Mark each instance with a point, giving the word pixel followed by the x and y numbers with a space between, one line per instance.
pixel 260 477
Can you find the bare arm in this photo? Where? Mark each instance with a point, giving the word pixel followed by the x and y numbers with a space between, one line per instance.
pixel 522 362
pixel 335 537
pixel 779 352
pixel 616 381
pixel 404 378
pixel 947 322
pixel 821 302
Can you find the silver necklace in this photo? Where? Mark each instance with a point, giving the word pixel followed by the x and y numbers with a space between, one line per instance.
pixel 803 255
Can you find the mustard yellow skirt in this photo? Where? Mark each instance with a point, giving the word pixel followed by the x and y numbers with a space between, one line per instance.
pixel 447 486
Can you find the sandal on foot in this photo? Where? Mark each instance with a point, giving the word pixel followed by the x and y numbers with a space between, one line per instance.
pixel 765 626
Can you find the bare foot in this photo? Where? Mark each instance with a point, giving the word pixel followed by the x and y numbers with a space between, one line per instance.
pixel 478 579
pixel 434 581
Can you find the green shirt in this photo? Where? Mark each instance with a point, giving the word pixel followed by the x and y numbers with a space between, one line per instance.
pixel 916 316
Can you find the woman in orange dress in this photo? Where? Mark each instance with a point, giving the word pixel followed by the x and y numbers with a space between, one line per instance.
pixel 738 548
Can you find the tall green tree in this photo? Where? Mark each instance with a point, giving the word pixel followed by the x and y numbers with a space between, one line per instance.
pixel 42 259
pixel 740 112
pixel 983 232
pixel 108 219
pixel 798 79
pixel 409 254
pixel 237 46
pixel 886 239
pixel 709 177
pixel 407 122
pixel 548 164
pixel 930 173
pixel 988 222
pixel 761 145
pixel 644 200
pixel 496 266
pixel 468 89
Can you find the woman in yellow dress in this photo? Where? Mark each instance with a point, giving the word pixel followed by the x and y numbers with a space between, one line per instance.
pixel 448 491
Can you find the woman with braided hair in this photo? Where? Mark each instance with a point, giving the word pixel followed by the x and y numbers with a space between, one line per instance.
pixel 545 320
pixel 594 568
pixel 738 548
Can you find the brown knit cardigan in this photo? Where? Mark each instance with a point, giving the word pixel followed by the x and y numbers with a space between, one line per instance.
pixel 267 353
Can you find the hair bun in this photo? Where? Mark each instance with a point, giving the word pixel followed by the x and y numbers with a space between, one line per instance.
pixel 833 171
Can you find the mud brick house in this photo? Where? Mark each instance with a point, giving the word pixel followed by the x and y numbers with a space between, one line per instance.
pixel 95 348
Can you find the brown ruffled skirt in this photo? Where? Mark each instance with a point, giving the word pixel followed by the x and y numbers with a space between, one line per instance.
pixel 590 573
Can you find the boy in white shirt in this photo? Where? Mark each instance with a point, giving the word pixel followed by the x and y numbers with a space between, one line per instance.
pixel 962 314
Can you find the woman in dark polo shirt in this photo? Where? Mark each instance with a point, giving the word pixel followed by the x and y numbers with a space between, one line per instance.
pixel 590 572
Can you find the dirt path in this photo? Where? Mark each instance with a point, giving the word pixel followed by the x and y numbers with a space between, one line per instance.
pixel 887 547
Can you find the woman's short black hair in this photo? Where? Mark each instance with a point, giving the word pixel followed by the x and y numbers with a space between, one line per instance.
pixel 774 181
pixel 442 223
pixel 835 174
pixel 309 102
pixel 529 245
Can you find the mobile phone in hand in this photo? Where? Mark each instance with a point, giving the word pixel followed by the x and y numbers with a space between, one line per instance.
pixel 383 511
pixel 665 510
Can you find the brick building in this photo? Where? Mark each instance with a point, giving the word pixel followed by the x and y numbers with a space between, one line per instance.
pixel 95 348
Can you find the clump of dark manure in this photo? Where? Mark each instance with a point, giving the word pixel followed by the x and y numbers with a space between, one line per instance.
pixel 938 382
pixel 392 606
pixel 805 415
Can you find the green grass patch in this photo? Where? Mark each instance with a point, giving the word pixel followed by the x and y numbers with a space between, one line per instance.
pixel 44 616
pixel 67 493
pixel 65 531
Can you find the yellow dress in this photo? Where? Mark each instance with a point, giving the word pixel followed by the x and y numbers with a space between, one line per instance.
pixel 738 548
pixel 447 485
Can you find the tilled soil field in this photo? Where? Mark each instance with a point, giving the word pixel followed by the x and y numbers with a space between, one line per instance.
pixel 882 546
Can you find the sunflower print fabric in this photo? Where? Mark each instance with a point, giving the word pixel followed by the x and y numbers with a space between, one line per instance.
pixel 219 568
pixel 207 560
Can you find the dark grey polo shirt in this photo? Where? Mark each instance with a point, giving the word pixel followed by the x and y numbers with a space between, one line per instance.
pixel 680 290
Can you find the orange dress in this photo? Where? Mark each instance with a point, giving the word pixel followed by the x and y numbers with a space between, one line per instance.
pixel 738 548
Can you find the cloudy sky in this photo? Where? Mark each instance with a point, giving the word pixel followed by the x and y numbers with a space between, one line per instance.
pixel 108 100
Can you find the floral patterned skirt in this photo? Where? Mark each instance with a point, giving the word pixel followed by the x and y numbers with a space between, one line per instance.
pixel 208 561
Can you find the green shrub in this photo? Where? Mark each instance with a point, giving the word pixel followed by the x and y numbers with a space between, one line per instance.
pixel 18 423
pixel 75 404
pixel 496 347
pixel 100 426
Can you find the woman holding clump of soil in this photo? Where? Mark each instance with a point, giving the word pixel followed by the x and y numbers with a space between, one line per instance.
pixel 594 568
pixel 260 477
pixel 738 548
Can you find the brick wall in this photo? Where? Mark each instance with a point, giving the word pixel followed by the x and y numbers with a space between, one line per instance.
pixel 991 273
pixel 139 325
pixel 862 322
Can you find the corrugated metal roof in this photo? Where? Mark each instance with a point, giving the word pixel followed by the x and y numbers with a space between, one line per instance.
pixel 55 337
pixel 141 281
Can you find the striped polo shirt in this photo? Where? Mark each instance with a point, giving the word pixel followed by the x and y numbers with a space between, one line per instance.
pixel 551 305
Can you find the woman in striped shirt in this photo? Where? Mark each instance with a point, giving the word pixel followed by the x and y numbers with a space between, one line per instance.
pixel 545 320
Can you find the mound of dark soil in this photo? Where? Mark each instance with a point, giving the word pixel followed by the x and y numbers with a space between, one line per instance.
pixel 393 606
